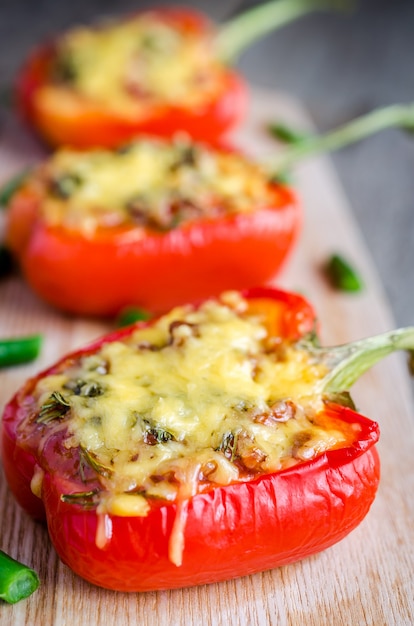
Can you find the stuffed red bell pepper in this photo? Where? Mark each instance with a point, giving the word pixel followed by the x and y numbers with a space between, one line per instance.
pixel 213 442
pixel 157 71
pixel 152 225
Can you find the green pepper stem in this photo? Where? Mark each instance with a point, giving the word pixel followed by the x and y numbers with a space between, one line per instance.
pixel 19 350
pixel 17 581
pixel 400 115
pixel 347 362
pixel 243 30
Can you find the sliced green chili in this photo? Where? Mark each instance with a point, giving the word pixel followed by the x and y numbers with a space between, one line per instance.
pixel 287 134
pixel 131 315
pixel 342 275
pixel 19 350
pixel 17 581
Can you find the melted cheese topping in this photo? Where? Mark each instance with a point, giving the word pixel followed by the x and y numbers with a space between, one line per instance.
pixel 202 397
pixel 135 62
pixel 150 183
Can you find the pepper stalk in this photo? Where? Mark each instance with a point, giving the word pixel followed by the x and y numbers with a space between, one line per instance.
pixel 347 362
pixel 241 31
pixel 395 115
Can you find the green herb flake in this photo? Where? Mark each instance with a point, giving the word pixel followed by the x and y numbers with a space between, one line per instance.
pixel 228 445
pixel 154 434
pixel 85 499
pixel 65 186
pixel 56 407
pixel 86 389
pixel 92 460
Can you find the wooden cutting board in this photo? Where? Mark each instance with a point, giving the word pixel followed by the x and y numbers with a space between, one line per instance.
pixel 367 579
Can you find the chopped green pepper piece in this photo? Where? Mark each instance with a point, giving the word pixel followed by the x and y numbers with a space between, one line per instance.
pixel 286 133
pixel 17 581
pixel 342 275
pixel 131 315
pixel 19 350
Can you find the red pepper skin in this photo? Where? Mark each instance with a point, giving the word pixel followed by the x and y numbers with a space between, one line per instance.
pixel 88 125
pixel 131 266
pixel 230 531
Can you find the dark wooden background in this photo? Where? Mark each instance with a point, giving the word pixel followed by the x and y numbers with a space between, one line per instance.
pixel 338 66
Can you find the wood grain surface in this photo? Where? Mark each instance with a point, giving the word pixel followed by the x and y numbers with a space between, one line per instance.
pixel 367 579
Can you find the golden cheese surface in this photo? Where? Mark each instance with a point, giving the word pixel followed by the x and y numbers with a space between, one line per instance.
pixel 203 396
pixel 143 60
pixel 149 183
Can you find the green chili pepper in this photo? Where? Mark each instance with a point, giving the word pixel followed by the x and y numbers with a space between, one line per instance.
pixel 9 188
pixel 17 581
pixel 131 315
pixel 342 275
pixel 286 133
pixel 19 350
